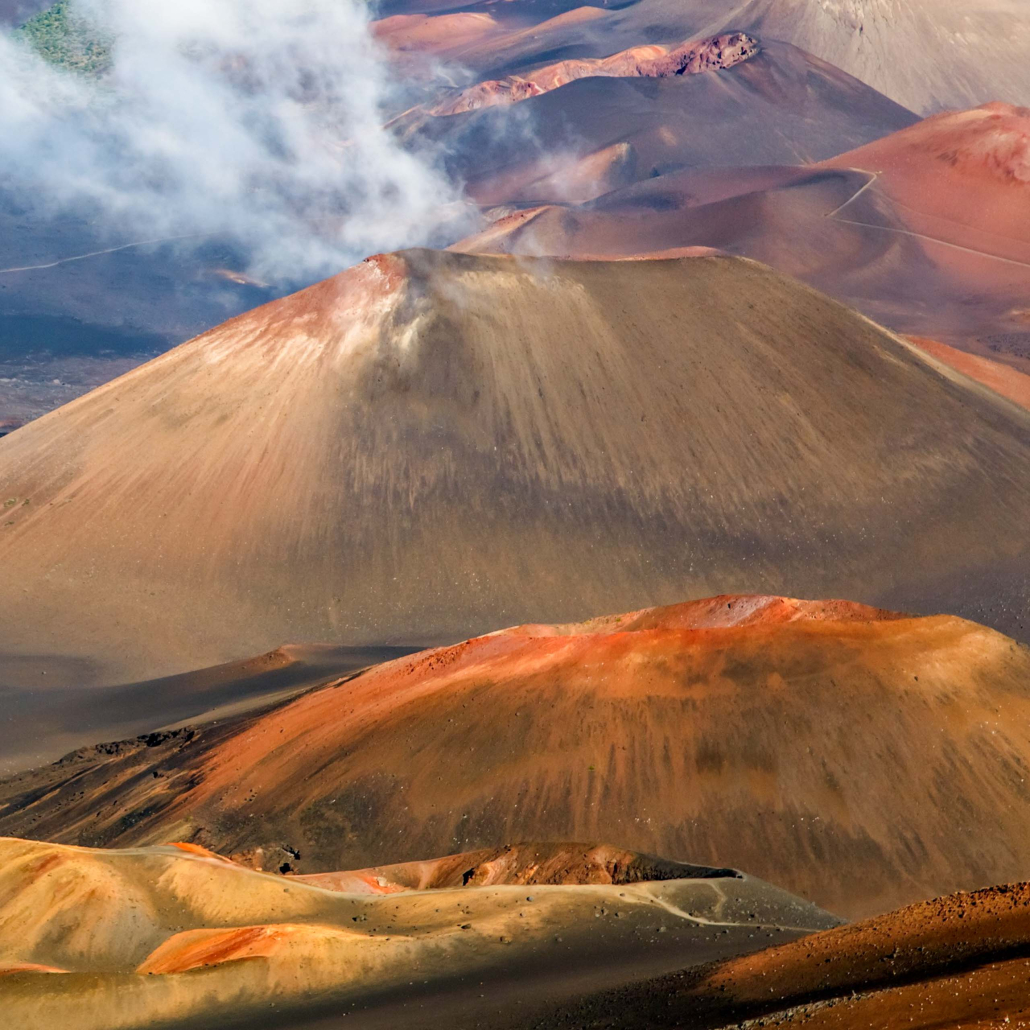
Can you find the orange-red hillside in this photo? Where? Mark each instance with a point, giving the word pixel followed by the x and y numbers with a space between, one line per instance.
pixel 1002 379
pixel 962 183
pixel 814 744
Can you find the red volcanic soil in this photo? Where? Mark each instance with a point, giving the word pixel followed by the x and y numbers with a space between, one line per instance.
pixel 195 949
pixel 961 180
pixel 650 62
pixel 1000 378
pixel 956 961
pixel 766 733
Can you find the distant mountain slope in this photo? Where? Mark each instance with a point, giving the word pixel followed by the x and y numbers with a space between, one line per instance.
pixel 926 230
pixel 781 106
pixel 925 54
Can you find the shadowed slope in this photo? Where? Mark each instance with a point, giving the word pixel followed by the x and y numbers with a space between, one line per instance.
pixel 956 961
pixel 120 928
pixel 781 106
pixel 46 712
pixel 434 444
pixel 860 758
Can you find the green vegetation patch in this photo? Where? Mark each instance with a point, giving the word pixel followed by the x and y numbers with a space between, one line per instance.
pixel 66 40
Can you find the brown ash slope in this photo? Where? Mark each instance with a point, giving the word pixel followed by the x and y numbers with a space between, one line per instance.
pixel 433 444
pixel 858 758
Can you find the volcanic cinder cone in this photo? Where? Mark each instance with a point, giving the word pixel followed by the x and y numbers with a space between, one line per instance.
pixel 857 757
pixel 434 444
pixel 961 181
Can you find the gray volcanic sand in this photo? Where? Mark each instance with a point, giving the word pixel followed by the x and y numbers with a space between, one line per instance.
pixel 48 706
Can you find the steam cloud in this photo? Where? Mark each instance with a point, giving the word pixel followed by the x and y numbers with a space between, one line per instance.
pixel 258 120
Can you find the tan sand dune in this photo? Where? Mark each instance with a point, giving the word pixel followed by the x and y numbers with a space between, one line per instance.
pixel 159 935
pixel 816 743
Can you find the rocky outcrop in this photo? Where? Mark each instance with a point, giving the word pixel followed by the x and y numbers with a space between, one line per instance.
pixel 652 62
